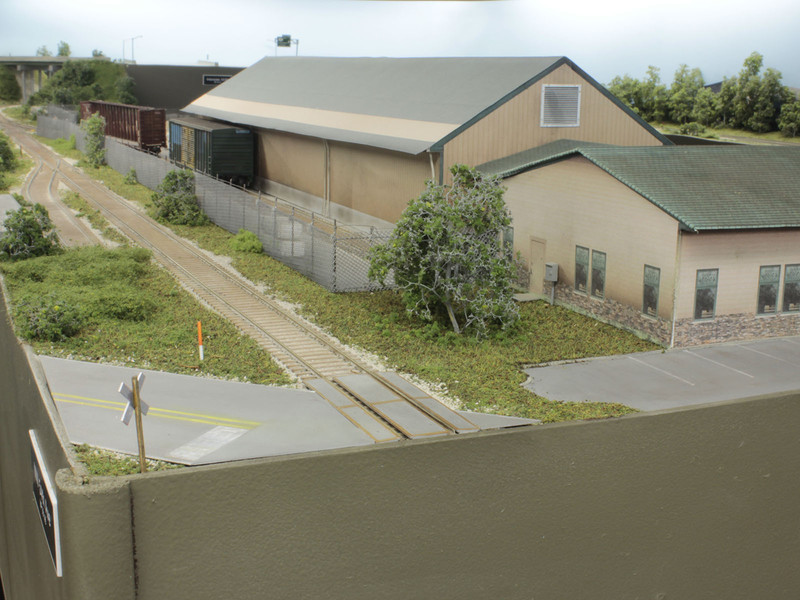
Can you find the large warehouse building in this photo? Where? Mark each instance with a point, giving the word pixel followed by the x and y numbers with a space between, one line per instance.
pixel 360 136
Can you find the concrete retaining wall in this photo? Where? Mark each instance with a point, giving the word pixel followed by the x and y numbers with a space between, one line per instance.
pixel 698 503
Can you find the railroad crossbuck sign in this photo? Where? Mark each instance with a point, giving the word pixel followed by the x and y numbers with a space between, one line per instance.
pixel 127 393
pixel 136 407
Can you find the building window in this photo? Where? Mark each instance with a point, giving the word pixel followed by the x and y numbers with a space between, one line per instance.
pixel 769 279
pixel 598 274
pixel 508 238
pixel 705 299
pixel 791 288
pixel 652 280
pixel 561 106
pixel 581 269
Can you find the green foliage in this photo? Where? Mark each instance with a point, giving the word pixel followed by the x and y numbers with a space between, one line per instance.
pixel 47 318
pixel 447 254
pixel 9 88
pixel 105 463
pixel 685 87
pixel 136 314
pixel 175 201
pixel 43 51
pixel 8 158
pixel 130 177
pixel 63 49
pixel 95 127
pixel 789 121
pixel 246 241
pixel 752 101
pixel 29 232
pixel 80 80
pixel 692 128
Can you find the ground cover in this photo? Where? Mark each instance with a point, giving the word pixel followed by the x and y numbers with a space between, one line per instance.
pixel 105 462
pixel 126 310
pixel 484 376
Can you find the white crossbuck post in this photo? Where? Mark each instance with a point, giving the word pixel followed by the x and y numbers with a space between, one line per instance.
pixel 127 393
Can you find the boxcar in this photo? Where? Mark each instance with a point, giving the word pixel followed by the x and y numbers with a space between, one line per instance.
pixel 142 125
pixel 217 149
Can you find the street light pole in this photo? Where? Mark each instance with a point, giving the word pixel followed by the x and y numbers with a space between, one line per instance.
pixel 133 58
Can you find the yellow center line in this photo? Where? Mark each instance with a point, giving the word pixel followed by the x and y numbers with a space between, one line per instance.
pixel 158 412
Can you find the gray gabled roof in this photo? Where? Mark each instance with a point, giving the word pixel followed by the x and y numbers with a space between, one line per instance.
pixel 405 104
pixel 704 188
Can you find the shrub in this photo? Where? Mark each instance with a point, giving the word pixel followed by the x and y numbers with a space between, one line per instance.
pixel 121 303
pixel 29 232
pixel 95 127
pixel 246 241
pixel 47 318
pixel 176 202
pixel 7 158
pixel 130 177
pixel 692 128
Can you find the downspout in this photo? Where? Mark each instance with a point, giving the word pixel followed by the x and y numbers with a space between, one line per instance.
pixel 327 183
pixel 675 284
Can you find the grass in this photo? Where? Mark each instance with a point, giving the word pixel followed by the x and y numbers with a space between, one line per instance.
pixel 135 314
pixel 105 462
pixel 95 217
pixel 722 133
pixel 483 375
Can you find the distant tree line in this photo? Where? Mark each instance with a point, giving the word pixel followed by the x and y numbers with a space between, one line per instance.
pixel 754 100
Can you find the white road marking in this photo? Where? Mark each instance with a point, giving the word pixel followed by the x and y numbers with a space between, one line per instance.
pixel 720 364
pixel 662 371
pixel 765 354
pixel 211 440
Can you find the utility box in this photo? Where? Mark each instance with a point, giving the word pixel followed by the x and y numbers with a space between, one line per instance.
pixel 551 272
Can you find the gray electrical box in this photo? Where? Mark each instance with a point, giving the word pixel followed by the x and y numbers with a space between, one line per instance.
pixel 551 272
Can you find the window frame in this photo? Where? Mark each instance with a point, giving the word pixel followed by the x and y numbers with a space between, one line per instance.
pixel 795 281
pixel 586 266
pixel 546 118
pixel 656 286
pixel 775 283
pixel 602 294
pixel 697 289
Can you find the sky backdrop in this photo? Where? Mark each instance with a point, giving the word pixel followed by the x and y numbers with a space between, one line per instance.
pixel 605 39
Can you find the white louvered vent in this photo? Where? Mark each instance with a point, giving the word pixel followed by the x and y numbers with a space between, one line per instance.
pixel 561 106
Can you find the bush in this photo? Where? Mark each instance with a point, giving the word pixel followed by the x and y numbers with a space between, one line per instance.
pixel 121 303
pixel 29 232
pixel 47 318
pixel 246 241
pixel 95 128
pixel 8 159
pixel 130 177
pixel 692 128
pixel 175 201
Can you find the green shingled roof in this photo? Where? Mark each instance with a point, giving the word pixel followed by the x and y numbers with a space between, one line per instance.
pixel 704 187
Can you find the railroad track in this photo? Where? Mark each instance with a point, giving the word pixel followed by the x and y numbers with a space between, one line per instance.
pixel 383 405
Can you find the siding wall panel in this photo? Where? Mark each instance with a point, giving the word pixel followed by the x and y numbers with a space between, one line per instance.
pixel 292 160
pixel 514 126
pixel 573 202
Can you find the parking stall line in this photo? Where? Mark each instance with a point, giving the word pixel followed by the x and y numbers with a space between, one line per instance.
pixel 772 356
pixel 720 364
pixel 667 373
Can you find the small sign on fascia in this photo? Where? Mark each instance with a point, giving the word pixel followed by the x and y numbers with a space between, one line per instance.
pixel 46 502
pixel 215 79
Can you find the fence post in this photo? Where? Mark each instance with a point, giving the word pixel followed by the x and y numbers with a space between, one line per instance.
pixel 259 215
pixel 312 243
pixel 244 208
pixel 291 237
pixel 333 286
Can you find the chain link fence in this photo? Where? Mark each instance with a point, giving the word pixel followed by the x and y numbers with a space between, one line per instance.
pixel 334 255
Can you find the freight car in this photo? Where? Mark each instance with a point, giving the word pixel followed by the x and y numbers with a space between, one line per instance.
pixel 140 124
pixel 216 149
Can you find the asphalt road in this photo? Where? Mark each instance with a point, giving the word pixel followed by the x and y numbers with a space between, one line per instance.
pixel 675 378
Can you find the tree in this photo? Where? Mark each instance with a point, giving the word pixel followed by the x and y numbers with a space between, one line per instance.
pixel 448 257
pixel 95 128
pixel 176 202
pixel 647 98
pixel 97 53
pixel 63 49
pixel 43 51
pixel 9 88
pixel 789 121
pixel 706 107
pixel 685 87
pixel 8 159
pixel 29 232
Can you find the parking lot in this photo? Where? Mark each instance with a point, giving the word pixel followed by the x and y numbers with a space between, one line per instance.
pixel 674 378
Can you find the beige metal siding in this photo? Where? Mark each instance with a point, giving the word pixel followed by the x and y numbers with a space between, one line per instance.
pixel 738 255
pixel 514 126
pixel 573 202
pixel 292 160
pixel 376 182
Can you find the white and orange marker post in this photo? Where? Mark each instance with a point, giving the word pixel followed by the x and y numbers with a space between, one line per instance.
pixel 200 339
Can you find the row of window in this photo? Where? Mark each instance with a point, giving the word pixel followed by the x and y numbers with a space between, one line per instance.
pixel 772 296
pixel 590 274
